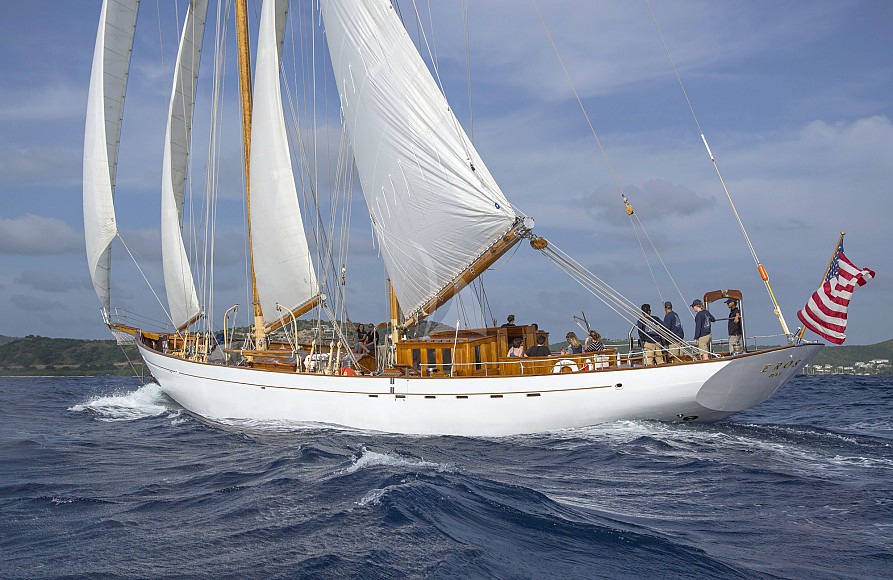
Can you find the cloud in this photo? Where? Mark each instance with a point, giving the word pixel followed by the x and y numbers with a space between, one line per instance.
pixel 33 235
pixel 30 166
pixel 663 198
pixel 51 103
pixel 50 281
pixel 24 302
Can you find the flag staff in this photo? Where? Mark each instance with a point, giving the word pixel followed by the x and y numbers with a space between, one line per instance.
pixel 824 277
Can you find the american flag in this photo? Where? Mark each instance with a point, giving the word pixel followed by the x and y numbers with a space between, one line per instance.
pixel 825 313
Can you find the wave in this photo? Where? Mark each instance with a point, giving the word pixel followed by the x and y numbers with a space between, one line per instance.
pixel 368 459
pixel 147 401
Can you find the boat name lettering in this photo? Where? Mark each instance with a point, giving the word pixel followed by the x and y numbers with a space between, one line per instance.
pixel 781 365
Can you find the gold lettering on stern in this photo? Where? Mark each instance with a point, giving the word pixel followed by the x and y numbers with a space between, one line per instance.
pixel 781 365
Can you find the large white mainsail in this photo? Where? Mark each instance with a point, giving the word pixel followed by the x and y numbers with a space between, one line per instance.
pixel 433 203
pixel 282 262
pixel 178 282
pixel 105 106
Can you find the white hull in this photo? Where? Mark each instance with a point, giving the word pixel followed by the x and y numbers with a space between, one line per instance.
pixel 481 406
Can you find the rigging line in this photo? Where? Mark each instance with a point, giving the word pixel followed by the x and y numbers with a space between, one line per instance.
pixel 149 284
pixel 507 260
pixel 161 37
pixel 214 152
pixel 753 252
pixel 450 117
pixel 645 254
pixel 602 149
pixel 589 280
pixel 579 100
pixel 656 253
pixel 660 258
pixel 701 131
pixel 130 362
pixel 468 70
pixel 601 290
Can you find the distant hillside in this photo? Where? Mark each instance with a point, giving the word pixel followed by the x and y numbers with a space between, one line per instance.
pixel 5 339
pixel 849 355
pixel 39 355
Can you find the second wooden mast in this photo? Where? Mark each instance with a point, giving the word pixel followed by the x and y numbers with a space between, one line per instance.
pixel 245 95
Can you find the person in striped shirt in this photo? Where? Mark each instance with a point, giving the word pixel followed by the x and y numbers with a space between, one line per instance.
pixel 593 342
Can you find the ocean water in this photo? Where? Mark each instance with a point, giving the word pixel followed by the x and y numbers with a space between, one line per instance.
pixel 103 477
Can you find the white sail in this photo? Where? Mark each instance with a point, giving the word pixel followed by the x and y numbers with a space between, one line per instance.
pixel 433 203
pixel 105 105
pixel 282 263
pixel 178 282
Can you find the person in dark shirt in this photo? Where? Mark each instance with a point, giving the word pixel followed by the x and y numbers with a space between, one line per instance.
pixel 540 349
pixel 735 342
pixel 674 325
pixel 702 328
pixel 649 327
pixel 361 346
pixel 510 321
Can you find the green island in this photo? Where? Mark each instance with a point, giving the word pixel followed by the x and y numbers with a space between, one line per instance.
pixel 42 356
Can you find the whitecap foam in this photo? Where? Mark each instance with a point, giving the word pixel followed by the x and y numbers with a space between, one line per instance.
pixel 146 401
pixel 373 497
pixel 373 459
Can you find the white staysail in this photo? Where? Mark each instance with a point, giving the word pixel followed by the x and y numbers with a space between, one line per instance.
pixel 433 203
pixel 282 262
pixel 105 106
pixel 178 282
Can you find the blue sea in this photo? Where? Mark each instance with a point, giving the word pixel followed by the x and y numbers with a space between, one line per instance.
pixel 103 477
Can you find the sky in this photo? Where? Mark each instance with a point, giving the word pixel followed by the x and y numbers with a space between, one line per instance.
pixel 793 97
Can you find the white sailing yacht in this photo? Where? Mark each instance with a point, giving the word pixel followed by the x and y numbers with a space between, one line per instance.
pixel 439 218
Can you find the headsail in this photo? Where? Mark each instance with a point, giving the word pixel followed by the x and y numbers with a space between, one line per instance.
pixel 105 106
pixel 282 262
pixel 433 203
pixel 178 282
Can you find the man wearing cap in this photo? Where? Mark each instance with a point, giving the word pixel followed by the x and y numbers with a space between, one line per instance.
pixel 702 328
pixel 674 325
pixel 735 342
pixel 649 335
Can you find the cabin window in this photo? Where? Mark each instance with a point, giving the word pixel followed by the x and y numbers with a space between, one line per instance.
pixel 447 355
pixel 477 357
pixel 416 358
pixel 432 360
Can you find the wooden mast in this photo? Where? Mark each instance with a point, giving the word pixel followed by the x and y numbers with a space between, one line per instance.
pixel 245 92
pixel 394 308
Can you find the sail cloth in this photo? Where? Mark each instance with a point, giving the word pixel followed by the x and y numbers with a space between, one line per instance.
pixel 282 263
pixel 105 106
pixel 826 311
pixel 433 204
pixel 178 281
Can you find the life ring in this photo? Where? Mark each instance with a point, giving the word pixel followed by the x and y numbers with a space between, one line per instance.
pixel 347 372
pixel 565 365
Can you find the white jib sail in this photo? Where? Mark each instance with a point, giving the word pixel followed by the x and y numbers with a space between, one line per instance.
pixel 178 282
pixel 433 203
pixel 282 262
pixel 105 106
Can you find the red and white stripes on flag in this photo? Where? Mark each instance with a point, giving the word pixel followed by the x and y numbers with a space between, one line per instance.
pixel 825 313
